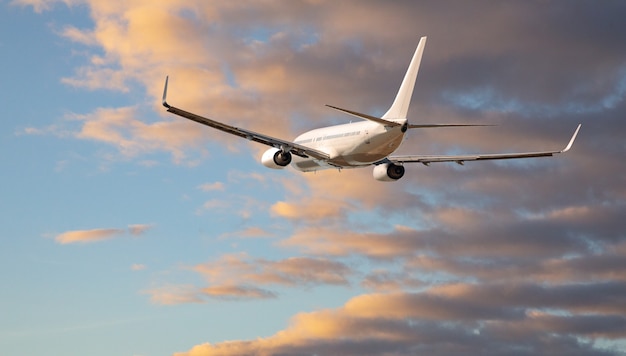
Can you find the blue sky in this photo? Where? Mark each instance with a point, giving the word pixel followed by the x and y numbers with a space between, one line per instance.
pixel 129 231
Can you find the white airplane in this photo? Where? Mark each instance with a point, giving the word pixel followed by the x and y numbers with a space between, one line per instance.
pixel 359 144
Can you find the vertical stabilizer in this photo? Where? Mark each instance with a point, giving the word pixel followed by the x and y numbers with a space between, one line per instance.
pixel 400 106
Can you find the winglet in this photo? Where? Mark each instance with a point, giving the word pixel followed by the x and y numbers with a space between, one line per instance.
pixel 165 93
pixel 571 141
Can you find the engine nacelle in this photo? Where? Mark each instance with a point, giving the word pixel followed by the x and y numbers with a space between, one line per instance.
pixel 388 172
pixel 275 158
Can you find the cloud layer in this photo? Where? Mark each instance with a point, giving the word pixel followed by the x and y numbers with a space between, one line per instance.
pixel 486 319
pixel 488 258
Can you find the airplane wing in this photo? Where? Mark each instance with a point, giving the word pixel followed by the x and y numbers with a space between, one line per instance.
pixel 286 146
pixel 427 159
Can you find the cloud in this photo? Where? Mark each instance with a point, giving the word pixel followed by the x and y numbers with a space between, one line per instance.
pixel 138 267
pixel 314 209
pixel 387 281
pixel 43 5
pixel 87 236
pixel 249 233
pixel 487 258
pixel 122 129
pixel 95 235
pixel 174 294
pixel 401 242
pixel 105 78
pixel 325 197
pixel 588 266
pixel 79 36
pixel 237 292
pixel 232 65
pixel 207 187
pixel 237 277
pixel 444 320
pixel 139 229
pixel 293 271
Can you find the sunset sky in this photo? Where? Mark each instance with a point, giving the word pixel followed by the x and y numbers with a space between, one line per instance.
pixel 126 230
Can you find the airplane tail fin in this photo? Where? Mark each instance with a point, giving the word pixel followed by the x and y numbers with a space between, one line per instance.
pixel 400 106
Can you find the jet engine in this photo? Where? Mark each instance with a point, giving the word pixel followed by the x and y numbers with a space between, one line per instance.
pixel 276 158
pixel 388 172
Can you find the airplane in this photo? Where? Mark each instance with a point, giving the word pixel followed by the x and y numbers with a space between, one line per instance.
pixel 370 141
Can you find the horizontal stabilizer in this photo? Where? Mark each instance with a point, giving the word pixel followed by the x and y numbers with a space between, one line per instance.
pixel 366 117
pixel 428 126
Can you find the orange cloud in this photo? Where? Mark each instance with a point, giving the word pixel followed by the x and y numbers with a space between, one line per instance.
pixel 401 242
pixel 86 236
pixel 138 229
pixel 314 209
pixel 303 270
pixel 324 204
pixel 95 235
pixel 121 128
pixel 441 319
pixel 333 197
pixel 250 232
pixel 239 269
pixel 237 277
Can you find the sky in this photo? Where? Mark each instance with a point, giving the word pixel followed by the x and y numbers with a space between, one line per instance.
pixel 126 230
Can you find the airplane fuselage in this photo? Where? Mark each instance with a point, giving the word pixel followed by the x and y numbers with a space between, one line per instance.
pixel 349 145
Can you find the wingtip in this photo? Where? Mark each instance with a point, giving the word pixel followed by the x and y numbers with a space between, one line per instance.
pixel 165 93
pixel 571 141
